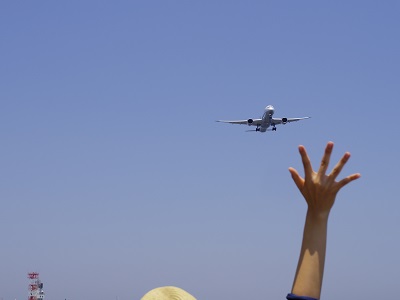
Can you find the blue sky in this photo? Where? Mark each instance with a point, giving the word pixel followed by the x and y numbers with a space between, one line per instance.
pixel 116 179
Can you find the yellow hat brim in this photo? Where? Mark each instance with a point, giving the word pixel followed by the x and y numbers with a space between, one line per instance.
pixel 168 293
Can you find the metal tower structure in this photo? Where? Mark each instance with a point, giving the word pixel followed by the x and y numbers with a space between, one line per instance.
pixel 35 287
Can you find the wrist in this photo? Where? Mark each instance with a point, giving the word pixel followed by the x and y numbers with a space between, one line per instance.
pixel 317 216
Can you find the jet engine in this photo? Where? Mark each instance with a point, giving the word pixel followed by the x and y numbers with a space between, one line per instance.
pixel 284 120
pixel 249 121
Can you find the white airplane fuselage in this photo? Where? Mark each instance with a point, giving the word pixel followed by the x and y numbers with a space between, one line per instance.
pixel 266 118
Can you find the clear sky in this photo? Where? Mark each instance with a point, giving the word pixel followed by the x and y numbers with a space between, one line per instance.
pixel 116 179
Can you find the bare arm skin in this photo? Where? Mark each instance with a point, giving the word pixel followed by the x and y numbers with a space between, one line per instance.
pixel 319 190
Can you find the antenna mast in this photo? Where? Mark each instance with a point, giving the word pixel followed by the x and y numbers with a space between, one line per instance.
pixel 35 287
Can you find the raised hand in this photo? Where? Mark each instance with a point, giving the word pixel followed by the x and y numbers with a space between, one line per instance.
pixel 319 189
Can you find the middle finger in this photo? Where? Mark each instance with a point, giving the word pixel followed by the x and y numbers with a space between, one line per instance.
pixel 325 159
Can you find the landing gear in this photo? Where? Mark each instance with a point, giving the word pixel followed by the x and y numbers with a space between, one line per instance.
pixel 273 127
pixel 258 128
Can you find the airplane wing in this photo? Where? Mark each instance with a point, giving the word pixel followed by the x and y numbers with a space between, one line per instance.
pixel 287 120
pixel 254 122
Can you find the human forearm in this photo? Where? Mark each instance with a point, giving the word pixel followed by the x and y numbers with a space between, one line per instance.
pixel 310 268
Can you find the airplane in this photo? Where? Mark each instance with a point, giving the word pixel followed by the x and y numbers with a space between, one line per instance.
pixel 266 121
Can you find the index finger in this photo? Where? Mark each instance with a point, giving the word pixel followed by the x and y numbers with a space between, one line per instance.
pixel 306 161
